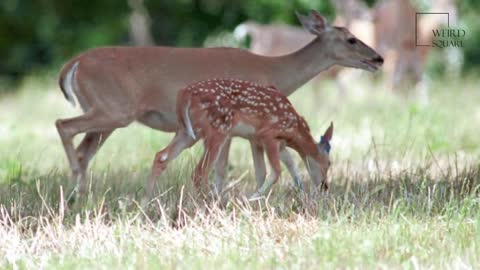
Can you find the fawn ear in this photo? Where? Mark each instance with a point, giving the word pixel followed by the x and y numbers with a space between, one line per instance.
pixel 325 139
pixel 327 136
pixel 314 23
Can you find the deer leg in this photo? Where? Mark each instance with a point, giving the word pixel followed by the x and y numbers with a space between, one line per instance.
pixel 180 142
pixel 260 169
pixel 89 147
pixel 221 166
pixel 259 163
pixel 287 159
pixel 273 156
pixel 398 73
pixel 212 145
pixel 89 122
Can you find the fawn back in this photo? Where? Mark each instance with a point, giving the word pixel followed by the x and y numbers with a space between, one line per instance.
pixel 238 108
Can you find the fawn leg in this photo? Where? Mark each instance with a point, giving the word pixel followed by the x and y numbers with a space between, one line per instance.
pixel 221 166
pixel 260 169
pixel 180 142
pixel 212 147
pixel 287 159
pixel 271 147
pixel 259 163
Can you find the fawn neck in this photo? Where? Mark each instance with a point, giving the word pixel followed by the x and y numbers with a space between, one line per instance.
pixel 303 142
pixel 293 70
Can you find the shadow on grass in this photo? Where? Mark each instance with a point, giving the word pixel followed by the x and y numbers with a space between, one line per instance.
pixel 116 194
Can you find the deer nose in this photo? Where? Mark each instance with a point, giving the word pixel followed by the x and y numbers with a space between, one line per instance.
pixel 378 59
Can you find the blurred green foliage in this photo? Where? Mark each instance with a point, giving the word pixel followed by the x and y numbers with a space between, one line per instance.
pixel 37 33
pixel 42 33
pixel 189 22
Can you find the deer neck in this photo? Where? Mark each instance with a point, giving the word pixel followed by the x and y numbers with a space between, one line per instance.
pixel 293 70
pixel 304 144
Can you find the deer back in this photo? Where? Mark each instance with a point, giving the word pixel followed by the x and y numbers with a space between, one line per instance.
pixel 225 103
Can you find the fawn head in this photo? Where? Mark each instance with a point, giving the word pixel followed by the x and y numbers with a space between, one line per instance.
pixel 341 45
pixel 318 166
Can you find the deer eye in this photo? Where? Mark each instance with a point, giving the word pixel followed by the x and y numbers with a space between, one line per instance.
pixel 352 40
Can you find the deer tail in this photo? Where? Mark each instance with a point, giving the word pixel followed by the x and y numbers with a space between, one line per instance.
pixel 241 32
pixel 67 82
pixel 186 120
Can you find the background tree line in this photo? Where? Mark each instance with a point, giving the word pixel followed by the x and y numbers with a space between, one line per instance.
pixel 43 33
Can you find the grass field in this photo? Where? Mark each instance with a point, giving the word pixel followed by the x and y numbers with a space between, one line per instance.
pixel 404 191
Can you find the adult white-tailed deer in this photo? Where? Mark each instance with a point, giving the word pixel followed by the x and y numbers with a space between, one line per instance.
pixel 217 110
pixel 118 85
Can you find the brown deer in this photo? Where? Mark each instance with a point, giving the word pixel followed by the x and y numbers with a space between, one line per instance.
pixel 395 33
pixel 118 85
pixel 217 110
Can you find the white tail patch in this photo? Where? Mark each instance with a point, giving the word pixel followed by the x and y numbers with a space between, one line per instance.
pixel 68 84
pixel 188 122
pixel 240 32
pixel 164 157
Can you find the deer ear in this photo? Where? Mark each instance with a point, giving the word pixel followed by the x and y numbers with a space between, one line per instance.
pixel 318 17
pixel 314 23
pixel 325 139
pixel 328 133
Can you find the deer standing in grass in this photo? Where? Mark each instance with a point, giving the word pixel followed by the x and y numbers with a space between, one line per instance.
pixel 118 85
pixel 219 109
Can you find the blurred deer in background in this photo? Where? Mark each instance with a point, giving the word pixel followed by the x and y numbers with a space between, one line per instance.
pixel 351 12
pixel 118 85
pixel 219 109
pixel 426 25
pixel 140 24
pixel 395 38
pixel 273 39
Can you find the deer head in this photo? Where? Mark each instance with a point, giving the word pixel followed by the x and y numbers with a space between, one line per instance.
pixel 340 45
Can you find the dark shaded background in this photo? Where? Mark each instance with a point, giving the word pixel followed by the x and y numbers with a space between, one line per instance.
pixel 42 34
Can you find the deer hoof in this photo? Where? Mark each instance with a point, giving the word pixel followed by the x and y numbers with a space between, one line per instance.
pixel 255 197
